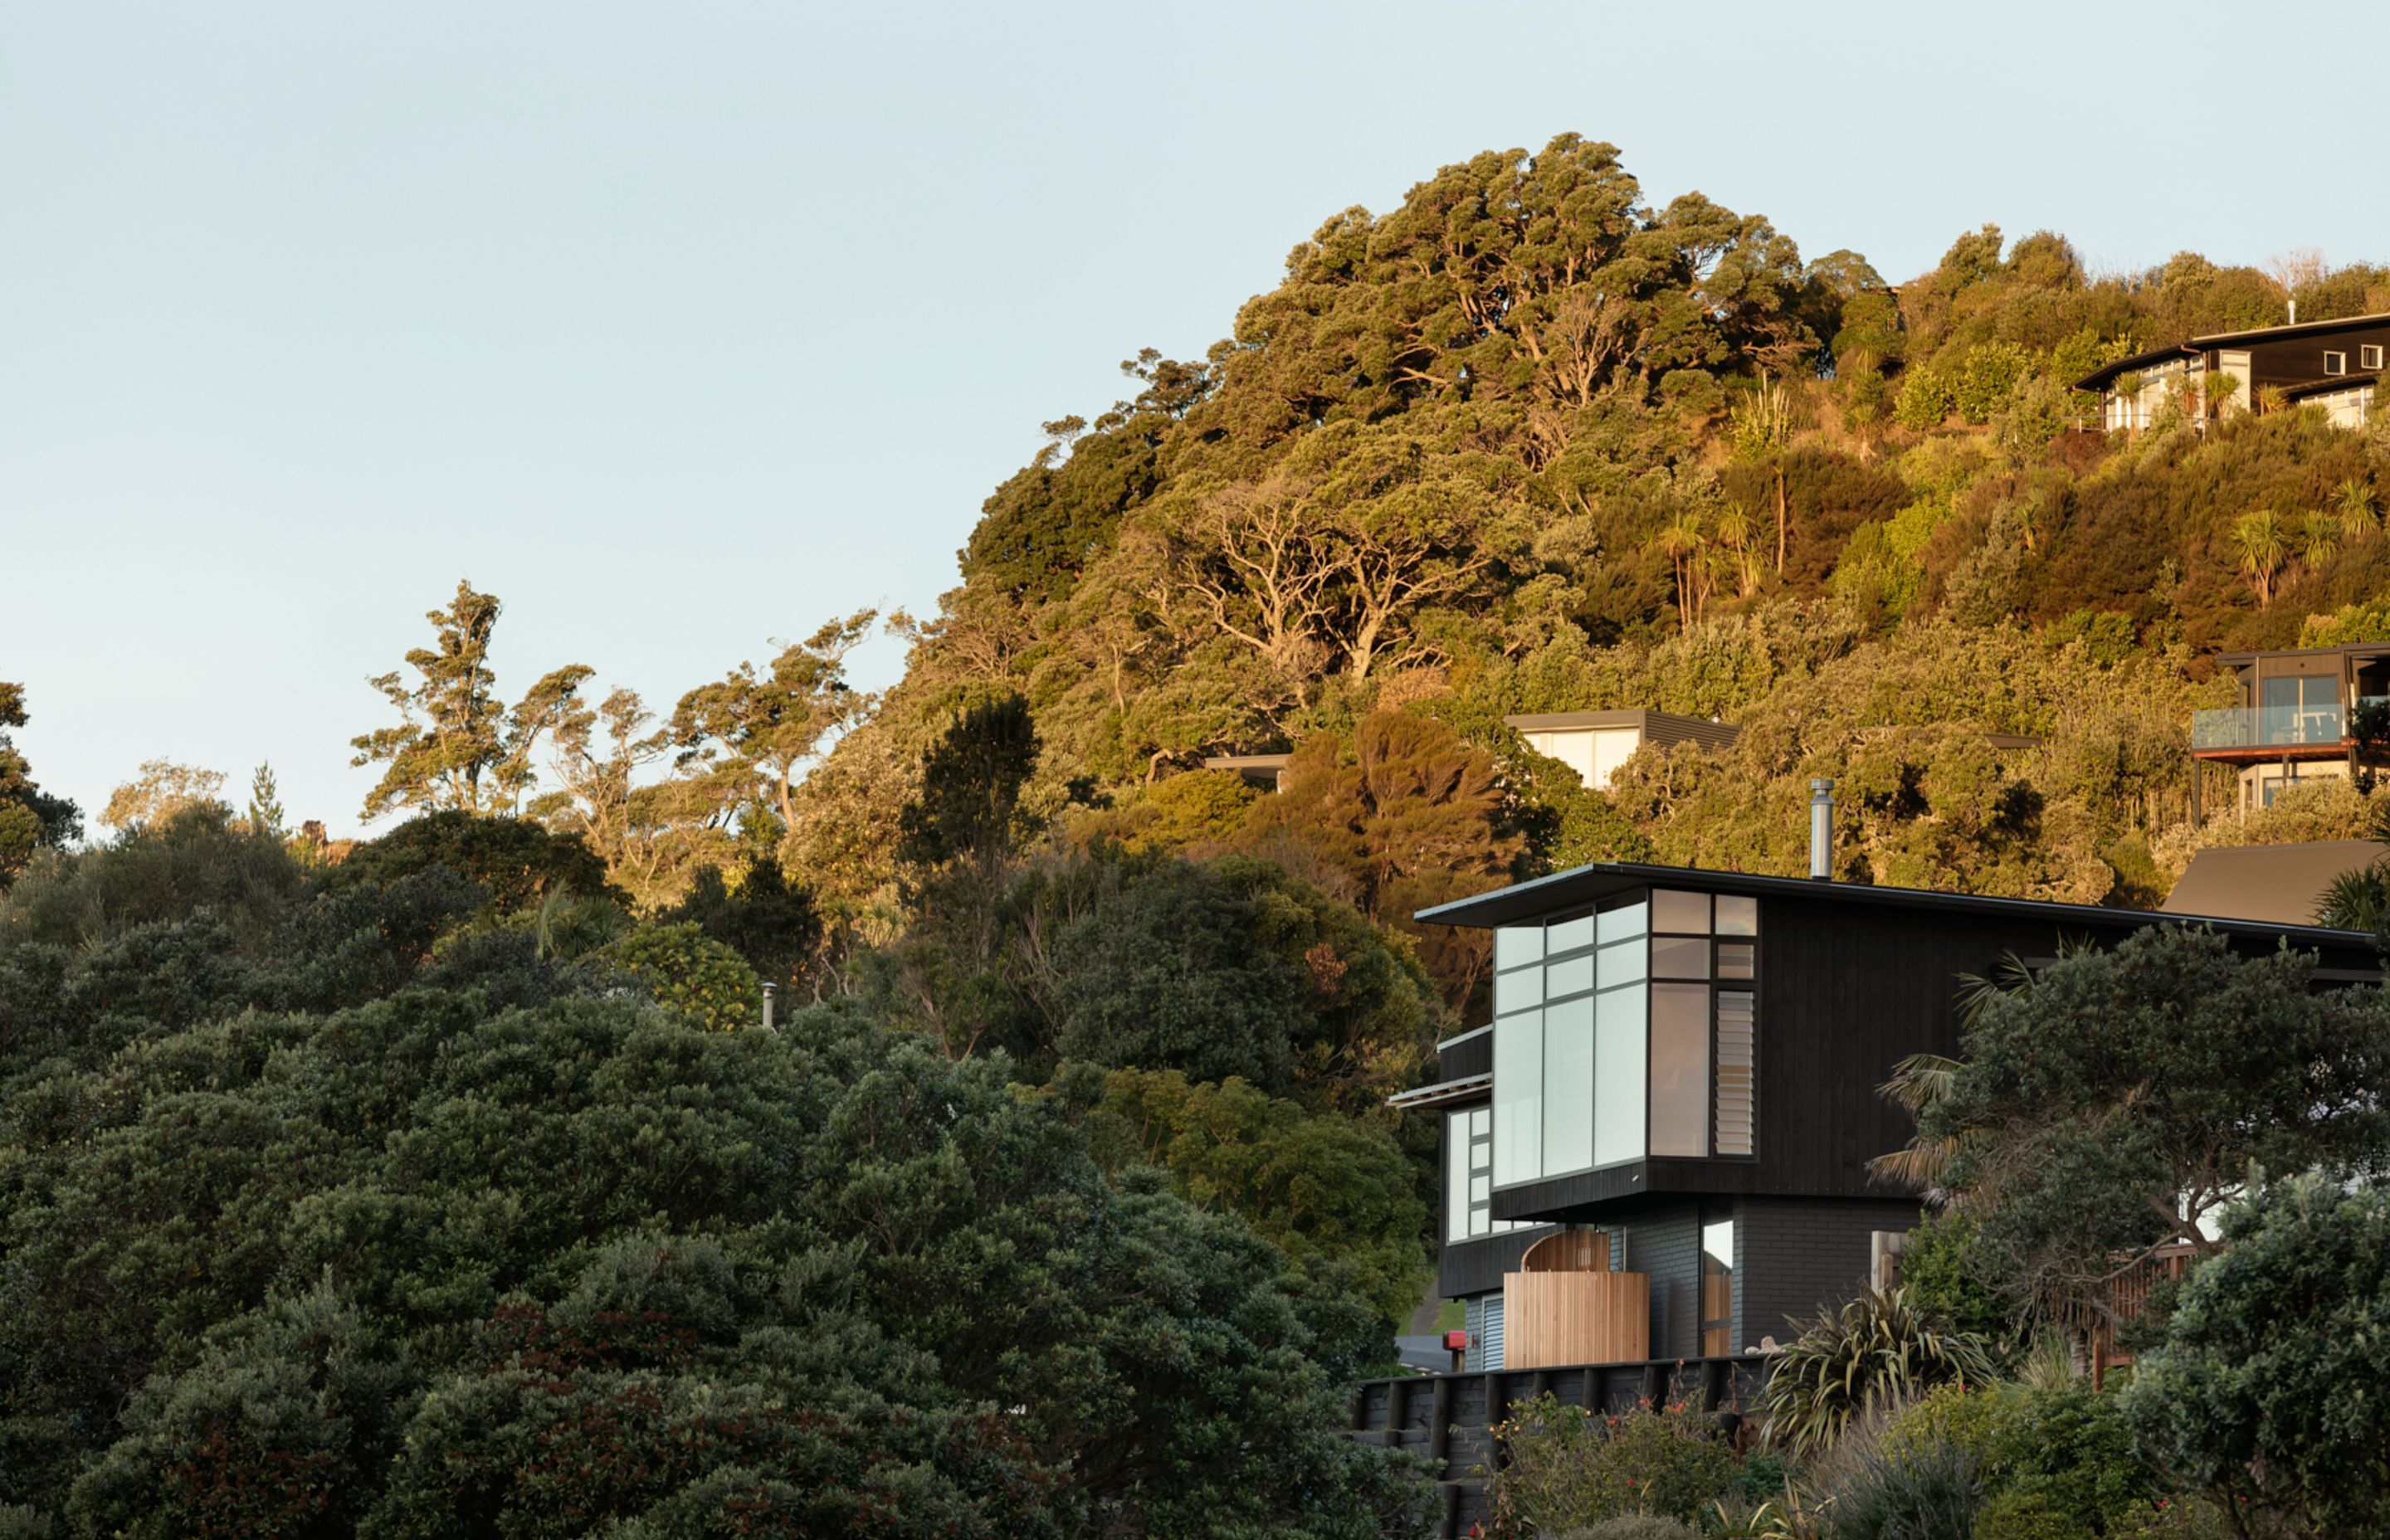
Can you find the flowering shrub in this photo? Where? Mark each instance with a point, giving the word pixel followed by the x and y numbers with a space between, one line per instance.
pixel 1571 1467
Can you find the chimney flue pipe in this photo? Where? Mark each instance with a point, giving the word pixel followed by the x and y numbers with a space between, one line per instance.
pixel 1822 830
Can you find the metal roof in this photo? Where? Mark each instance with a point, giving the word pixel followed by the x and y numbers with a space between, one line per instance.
pixel 2281 884
pixel 1602 879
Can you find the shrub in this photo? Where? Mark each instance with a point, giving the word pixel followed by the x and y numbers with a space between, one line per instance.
pixel 1874 1351
pixel 2264 1390
pixel 1926 398
pixel 1568 1466
pixel 1631 1526
pixel 687 972
pixel 1889 1489
pixel 1944 1272
pixel 2067 1449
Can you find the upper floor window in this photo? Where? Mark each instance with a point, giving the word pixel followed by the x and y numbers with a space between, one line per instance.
pixel 1624 1032
pixel 2369 356
pixel 2335 363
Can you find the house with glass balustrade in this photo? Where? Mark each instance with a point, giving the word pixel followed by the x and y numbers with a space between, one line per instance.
pixel 1656 1148
pixel 2292 721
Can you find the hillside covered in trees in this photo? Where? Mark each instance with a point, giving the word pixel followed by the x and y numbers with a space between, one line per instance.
pixel 352 1172
pixel 1530 442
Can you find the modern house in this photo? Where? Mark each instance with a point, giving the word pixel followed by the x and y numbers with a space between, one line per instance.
pixel 1657 1148
pixel 2330 363
pixel 2293 719
pixel 1595 744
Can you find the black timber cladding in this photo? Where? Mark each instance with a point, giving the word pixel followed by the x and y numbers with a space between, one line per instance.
pixel 1853 980
pixel 1470 1053
pixel 2278 355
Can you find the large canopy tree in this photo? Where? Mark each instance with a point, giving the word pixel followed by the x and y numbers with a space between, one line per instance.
pixel 30 819
pixel 2114 1101
pixel 458 745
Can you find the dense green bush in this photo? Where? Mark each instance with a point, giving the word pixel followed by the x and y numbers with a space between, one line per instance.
pixel 1564 1465
pixel 687 970
pixel 2055 1459
pixel 1336 1195
pixel 515 859
pixel 1944 1271
pixel 202 857
pixel 471 1242
pixel 2266 1389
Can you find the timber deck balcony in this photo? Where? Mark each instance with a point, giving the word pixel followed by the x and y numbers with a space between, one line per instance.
pixel 2254 733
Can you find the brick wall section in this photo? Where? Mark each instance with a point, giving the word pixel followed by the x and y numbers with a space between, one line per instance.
pixel 1665 1244
pixel 1796 1256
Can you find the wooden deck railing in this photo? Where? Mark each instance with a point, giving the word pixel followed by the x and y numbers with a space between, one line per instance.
pixel 2128 1300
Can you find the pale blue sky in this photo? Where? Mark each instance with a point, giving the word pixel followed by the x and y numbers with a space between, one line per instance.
pixel 686 326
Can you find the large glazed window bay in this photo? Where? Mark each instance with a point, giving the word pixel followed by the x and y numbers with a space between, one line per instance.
pixel 1624 1032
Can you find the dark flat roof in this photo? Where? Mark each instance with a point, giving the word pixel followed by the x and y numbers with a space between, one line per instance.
pixel 2100 376
pixel 2361 650
pixel 1632 716
pixel 1602 879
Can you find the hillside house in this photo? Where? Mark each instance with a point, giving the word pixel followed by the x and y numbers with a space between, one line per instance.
pixel 1595 744
pixel 2333 365
pixel 1657 1148
pixel 2293 719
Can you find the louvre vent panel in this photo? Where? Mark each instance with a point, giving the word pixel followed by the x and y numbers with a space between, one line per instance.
pixel 1737 1039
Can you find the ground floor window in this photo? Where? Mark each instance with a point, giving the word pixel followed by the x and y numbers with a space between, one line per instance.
pixel 1717 1287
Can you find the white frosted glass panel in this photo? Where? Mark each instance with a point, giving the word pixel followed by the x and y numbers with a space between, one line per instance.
pixel 1573 976
pixel 1623 963
pixel 1680 1069
pixel 1518 944
pixel 1568 935
pixel 1680 957
pixel 1680 911
pixel 1736 1042
pixel 1519 991
pixel 1737 915
pixel 1481 1188
pixel 1568 1086
pixel 1618 1075
pixel 1622 924
pixel 1480 1122
pixel 1518 1098
pixel 1456 1176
